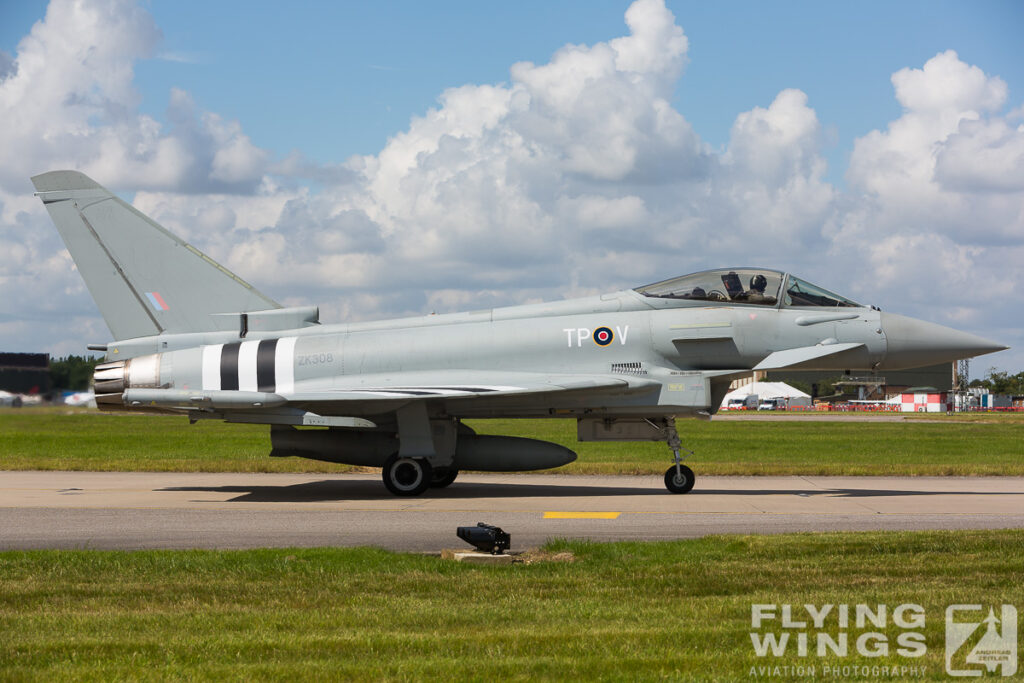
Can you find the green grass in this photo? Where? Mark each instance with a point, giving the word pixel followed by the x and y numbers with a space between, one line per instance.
pixel 677 610
pixel 954 445
pixel 48 439
pixel 760 447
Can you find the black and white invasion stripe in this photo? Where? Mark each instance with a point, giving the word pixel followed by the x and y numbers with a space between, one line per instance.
pixel 266 365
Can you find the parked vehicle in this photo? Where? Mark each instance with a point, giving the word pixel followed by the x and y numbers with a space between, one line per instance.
pixel 745 403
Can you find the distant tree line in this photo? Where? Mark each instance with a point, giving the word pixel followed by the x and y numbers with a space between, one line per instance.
pixel 73 372
pixel 1001 382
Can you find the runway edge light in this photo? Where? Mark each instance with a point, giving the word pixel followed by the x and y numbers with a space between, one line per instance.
pixel 485 537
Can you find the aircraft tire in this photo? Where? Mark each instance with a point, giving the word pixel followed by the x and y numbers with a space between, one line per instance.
pixel 443 476
pixel 672 482
pixel 407 476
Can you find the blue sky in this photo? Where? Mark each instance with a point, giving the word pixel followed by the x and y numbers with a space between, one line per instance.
pixel 389 158
pixel 333 79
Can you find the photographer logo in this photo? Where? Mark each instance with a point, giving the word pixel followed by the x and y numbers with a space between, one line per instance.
pixel 977 644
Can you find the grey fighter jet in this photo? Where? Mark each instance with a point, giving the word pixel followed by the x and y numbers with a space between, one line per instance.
pixel 194 339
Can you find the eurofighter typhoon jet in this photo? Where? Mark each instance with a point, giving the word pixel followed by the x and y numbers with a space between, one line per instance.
pixel 192 338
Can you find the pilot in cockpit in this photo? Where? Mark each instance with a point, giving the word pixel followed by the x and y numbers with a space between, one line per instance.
pixel 755 294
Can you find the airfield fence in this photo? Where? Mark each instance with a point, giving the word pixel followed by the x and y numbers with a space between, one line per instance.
pixel 884 408
pixel 826 408
pixel 980 409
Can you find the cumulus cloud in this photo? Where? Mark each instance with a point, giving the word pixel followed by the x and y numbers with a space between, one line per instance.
pixel 581 163
pixel 574 177
pixel 69 100
pixel 982 156
pixel 6 65
pixel 500 185
pixel 948 88
pixel 949 161
pixel 935 200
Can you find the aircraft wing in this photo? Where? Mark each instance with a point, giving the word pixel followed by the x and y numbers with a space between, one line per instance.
pixel 369 393
pixel 467 384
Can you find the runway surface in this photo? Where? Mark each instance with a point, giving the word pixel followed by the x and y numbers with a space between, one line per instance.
pixel 172 510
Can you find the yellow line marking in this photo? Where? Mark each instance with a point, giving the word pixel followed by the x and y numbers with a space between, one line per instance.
pixel 582 515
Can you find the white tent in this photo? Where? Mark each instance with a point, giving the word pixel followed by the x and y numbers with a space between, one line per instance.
pixel 765 390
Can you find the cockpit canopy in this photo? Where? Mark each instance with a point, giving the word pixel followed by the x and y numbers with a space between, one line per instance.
pixel 758 286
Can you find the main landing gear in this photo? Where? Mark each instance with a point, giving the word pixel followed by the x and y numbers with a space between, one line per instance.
pixel 443 476
pixel 407 476
pixel 413 476
pixel 679 478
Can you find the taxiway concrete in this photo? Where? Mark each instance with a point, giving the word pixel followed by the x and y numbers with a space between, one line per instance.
pixel 135 510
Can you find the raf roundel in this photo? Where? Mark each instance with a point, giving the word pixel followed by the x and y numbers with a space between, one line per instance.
pixel 603 336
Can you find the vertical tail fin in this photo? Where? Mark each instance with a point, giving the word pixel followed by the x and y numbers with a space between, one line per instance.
pixel 145 280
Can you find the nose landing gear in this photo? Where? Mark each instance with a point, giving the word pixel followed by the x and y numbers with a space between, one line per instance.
pixel 679 478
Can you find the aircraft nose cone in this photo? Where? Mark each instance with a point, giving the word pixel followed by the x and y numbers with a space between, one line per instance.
pixel 912 343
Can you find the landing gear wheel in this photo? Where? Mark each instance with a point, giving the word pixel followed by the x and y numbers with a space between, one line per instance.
pixel 443 476
pixel 679 484
pixel 407 476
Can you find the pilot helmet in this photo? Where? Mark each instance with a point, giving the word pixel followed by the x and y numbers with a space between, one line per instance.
pixel 758 282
